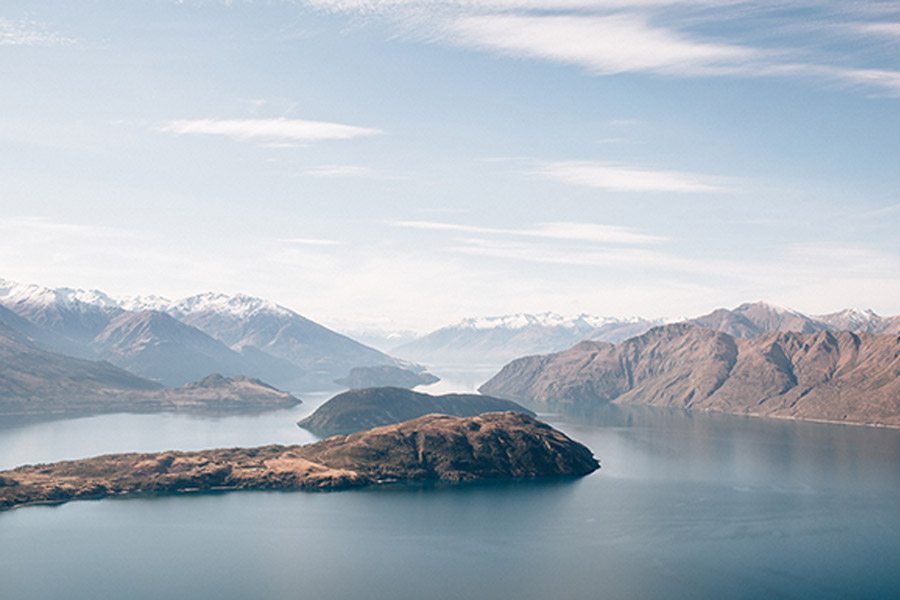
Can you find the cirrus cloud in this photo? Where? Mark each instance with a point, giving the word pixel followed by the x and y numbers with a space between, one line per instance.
pixel 621 178
pixel 268 129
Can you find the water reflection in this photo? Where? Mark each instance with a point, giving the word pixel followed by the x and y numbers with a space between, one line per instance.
pixel 642 442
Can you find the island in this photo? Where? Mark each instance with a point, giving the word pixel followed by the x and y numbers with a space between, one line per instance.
pixel 491 446
pixel 385 375
pixel 358 410
pixel 217 393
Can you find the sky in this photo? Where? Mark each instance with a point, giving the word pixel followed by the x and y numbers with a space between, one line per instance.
pixel 403 164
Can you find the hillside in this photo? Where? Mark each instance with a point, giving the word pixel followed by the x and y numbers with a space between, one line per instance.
pixel 358 410
pixel 36 382
pixel 842 376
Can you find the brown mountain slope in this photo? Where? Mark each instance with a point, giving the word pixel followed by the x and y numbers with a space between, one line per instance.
pixel 33 381
pixel 433 447
pixel 820 376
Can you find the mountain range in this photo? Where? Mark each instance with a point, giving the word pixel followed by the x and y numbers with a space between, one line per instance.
pixel 34 381
pixel 758 318
pixel 818 375
pixel 494 341
pixel 176 342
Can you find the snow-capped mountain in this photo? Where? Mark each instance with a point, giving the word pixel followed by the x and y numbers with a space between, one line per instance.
pixel 141 303
pixel 245 322
pixel 492 341
pixel 73 316
pixel 172 341
pixel 548 320
pixel 861 321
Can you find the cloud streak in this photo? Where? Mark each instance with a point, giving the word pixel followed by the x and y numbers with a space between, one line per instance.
pixel 660 37
pixel 562 230
pixel 621 178
pixel 297 130
pixel 602 44
pixel 340 171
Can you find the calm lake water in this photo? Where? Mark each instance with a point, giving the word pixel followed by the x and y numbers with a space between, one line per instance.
pixel 685 507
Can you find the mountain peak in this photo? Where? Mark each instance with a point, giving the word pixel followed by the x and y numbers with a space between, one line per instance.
pixel 239 305
pixel 14 292
pixel 544 319
pixel 766 306
pixel 147 302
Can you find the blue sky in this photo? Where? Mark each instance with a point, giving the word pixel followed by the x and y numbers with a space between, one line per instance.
pixel 403 164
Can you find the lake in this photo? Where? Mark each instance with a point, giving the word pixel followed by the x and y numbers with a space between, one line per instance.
pixel 685 506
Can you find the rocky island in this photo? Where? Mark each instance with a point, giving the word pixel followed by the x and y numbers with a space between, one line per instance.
pixel 431 448
pixel 358 410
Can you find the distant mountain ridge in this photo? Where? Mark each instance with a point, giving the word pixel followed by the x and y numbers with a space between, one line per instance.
pixel 175 342
pixel 154 345
pixel 34 381
pixel 495 340
pixel 502 338
pixel 753 319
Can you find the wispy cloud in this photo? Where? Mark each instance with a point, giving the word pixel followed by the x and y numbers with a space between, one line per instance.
pixel 298 241
pixel 601 44
pixel 622 178
pixel 30 33
pixel 268 129
pixel 886 29
pixel 339 171
pixel 663 37
pixel 581 232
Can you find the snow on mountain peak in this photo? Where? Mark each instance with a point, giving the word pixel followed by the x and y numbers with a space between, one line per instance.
pixel 238 305
pixel 149 302
pixel 14 293
pixel 546 319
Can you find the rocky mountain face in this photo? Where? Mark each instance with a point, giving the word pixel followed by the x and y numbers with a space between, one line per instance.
pixel 177 342
pixel 496 340
pixel 431 448
pixel 358 410
pixel 835 376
